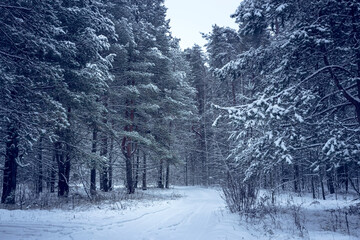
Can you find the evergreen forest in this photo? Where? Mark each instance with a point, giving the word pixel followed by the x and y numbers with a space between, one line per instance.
pixel 97 95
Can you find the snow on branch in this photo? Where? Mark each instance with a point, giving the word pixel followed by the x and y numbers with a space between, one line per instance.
pixel 287 91
pixel 216 121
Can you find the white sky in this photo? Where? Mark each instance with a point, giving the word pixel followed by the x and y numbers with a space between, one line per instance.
pixel 190 17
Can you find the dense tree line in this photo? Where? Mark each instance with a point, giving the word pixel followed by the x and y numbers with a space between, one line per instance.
pixel 86 87
pixel 94 92
pixel 292 75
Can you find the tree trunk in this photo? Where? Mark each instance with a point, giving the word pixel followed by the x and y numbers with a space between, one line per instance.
pixel 93 163
pixel 167 176
pixel 10 168
pixel 129 177
pixel 127 145
pixel 313 187
pixel 111 164
pixel 330 182
pixel 67 170
pixel 322 185
pixel 144 187
pixel 40 168
pixel 160 182
pixel 284 177
pixel 101 178
pixel 192 171
pixel 105 179
pixel 186 171
pixel 127 149
pixel 103 153
pixel 104 150
pixel 62 155
pixel 296 178
pixel 59 155
pixel 53 173
pixel 206 159
pixel 137 165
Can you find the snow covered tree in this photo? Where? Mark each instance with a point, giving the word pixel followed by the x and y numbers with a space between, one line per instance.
pixel 142 81
pixel 28 47
pixel 199 77
pixel 300 114
pixel 86 75
pixel 48 73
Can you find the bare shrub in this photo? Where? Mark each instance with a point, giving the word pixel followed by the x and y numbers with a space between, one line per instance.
pixel 240 197
pixel 344 220
pixel 299 219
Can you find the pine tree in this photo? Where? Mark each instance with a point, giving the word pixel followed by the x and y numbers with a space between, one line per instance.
pixel 50 73
pixel 301 95
pixel 199 77
pixel 28 47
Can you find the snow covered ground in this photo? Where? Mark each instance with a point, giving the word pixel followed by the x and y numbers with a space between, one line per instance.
pixel 200 214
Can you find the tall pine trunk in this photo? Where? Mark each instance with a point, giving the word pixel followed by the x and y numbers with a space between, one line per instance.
pixel 67 169
pixel 322 184
pixel 137 166
pixel 186 170
pixel 104 179
pixel 111 152
pixel 52 173
pixel 61 160
pixel 167 175
pixel 59 156
pixel 144 186
pixel 127 145
pixel 62 156
pixel 313 187
pixel 10 168
pixel 129 177
pixel 93 164
pixel 40 168
pixel 330 181
pixel 296 178
pixel 160 176
pixel 104 174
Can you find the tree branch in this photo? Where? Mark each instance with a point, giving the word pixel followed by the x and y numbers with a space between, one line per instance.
pixel 135 148
pixel 353 100
pixel 12 56
pixel 15 7
pixel 329 109
pixel 317 72
pixel 315 145
pixel 197 133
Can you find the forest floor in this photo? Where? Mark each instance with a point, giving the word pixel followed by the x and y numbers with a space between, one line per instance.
pixel 183 213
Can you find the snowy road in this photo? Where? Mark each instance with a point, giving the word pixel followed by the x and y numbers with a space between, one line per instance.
pixel 200 215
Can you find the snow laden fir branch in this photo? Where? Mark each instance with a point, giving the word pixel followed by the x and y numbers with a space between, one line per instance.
pixel 275 129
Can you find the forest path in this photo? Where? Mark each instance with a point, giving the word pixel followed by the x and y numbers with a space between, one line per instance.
pixel 199 215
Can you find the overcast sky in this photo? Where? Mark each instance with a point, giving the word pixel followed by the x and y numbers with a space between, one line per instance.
pixel 190 17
